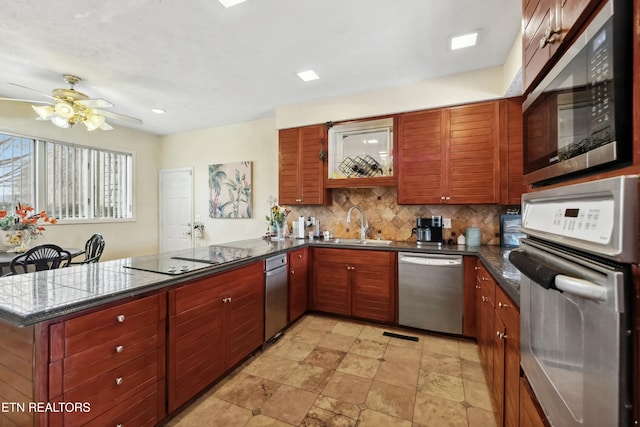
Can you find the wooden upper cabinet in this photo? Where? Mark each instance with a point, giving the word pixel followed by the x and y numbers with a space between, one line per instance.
pixel 450 155
pixel 474 154
pixel 548 28
pixel 511 154
pixel 421 157
pixel 300 169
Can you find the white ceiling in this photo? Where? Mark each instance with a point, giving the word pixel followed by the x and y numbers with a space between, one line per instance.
pixel 210 66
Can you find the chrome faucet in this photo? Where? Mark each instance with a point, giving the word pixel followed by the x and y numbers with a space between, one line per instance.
pixel 364 226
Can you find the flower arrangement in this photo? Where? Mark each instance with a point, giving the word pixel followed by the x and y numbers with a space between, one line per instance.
pixel 23 224
pixel 278 215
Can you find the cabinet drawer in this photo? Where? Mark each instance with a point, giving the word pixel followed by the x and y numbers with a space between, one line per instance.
pixel 137 411
pixel 93 329
pixel 86 365
pixel 117 385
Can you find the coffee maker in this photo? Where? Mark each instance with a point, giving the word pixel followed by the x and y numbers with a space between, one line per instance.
pixel 428 230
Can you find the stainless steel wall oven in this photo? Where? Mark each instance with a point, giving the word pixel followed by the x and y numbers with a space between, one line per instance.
pixel 576 300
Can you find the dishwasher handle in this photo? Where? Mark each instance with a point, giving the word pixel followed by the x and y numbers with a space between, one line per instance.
pixel 275 271
pixel 436 262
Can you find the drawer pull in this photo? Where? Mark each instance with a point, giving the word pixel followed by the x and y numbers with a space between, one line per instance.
pixel 118 425
pixel 293 272
pixel 501 305
pixel 119 381
pixel 119 349
pixel 120 318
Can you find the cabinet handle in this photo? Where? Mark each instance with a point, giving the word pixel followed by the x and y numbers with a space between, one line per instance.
pixel 299 256
pixel 120 318
pixel 501 305
pixel 119 381
pixel 293 272
pixel 441 197
pixel 484 299
pixel 475 268
pixel 478 287
pixel 119 425
pixel 229 299
pixel 498 334
pixel 119 349
pixel 225 300
pixel 448 198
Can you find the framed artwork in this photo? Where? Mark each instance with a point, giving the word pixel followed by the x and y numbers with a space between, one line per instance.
pixel 230 190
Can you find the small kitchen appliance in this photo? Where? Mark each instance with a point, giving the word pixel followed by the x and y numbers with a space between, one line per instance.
pixel 428 230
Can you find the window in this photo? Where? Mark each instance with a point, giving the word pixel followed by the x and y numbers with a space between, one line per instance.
pixel 72 182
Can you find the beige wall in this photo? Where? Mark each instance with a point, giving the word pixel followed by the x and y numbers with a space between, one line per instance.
pixel 456 89
pixel 133 238
pixel 255 141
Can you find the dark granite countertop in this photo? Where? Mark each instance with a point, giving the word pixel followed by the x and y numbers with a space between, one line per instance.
pixel 36 297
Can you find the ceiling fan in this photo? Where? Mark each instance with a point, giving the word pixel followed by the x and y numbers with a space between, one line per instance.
pixel 67 107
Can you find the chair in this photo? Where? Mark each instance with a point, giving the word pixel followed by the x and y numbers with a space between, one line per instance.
pixel 92 250
pixel 39 258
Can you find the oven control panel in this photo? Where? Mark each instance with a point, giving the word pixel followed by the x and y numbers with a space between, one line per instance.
pixel 590 220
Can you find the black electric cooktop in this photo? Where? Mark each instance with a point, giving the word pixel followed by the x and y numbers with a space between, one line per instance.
pixel 195 259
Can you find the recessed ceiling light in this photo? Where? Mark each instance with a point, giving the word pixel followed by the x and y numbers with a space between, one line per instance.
pixel 464 40
pixel 158 110
pixel 308 75
pixel 229 3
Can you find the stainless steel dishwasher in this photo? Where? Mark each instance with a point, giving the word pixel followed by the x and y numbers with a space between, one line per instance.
pixel 275 296
pixel 430 291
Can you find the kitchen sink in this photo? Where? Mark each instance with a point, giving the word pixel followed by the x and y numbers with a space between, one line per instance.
pixel 370 242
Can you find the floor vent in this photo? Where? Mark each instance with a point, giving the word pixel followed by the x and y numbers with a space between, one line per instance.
pixel 402 337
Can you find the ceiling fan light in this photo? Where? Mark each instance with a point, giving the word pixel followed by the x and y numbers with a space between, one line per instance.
pixel 44 111
pixel 64 110
pixel 93 120
pixel 59 121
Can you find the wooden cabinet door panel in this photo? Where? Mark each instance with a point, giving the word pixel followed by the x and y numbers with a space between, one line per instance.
pixel 421 157
pixel 245 311
pixel 298 283
pixel 311 172
pixel 474 160
pixel 515 154
pixel 288 160
pixel 331 288
pixel 196 345
pixel 372 292
pixel 498 368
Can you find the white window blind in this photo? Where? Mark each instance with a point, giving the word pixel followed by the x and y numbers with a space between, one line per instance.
pixel 17 183
pixel 88 183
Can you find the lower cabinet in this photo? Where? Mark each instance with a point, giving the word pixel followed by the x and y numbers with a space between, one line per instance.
pixel 114 361
pixel 358 283
pixel 499 342
pixel 213 324
pixel 530 412
pixel 298 283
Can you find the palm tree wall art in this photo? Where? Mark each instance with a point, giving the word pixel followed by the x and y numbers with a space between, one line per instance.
pixel 230 190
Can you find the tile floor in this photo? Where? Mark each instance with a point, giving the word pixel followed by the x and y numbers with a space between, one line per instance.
pixel 333 372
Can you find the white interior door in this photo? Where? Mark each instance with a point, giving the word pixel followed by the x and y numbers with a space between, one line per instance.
pixel 176 209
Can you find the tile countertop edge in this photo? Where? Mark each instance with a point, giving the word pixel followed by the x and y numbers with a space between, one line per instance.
pixel 493 257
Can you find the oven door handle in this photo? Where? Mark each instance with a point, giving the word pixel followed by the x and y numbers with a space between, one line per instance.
pixel 580 287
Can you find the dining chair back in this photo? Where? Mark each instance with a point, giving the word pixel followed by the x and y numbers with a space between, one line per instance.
pixel 42 257
pixel 93 249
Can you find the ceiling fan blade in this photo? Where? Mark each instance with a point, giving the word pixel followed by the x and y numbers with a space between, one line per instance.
pixel 119 117
pixel 32 101
pixel 95 103
pixel 106 126
pixel 33 90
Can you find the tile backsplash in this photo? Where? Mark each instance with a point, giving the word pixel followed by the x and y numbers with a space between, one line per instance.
pixel 396 221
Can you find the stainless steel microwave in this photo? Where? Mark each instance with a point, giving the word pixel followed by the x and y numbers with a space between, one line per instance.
pixel 578 120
